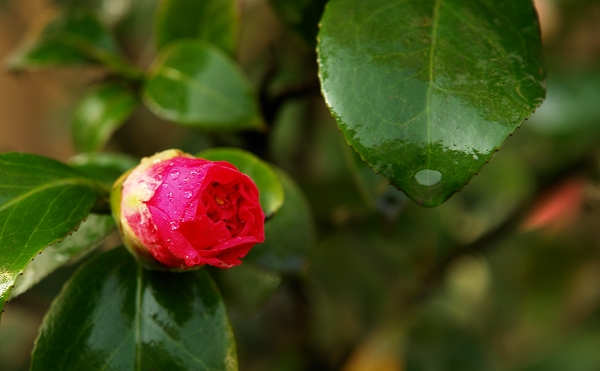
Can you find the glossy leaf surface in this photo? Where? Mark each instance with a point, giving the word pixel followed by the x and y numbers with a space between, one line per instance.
pixel 427 91
pixel 115 315
pixel 99 114
pixel 214 21
pixel 302 16
pixel 41 202
pixel 289 235
pixel 90 234
pixel 195 84
pixel 67 38
pixel 103 167
pixel 269 185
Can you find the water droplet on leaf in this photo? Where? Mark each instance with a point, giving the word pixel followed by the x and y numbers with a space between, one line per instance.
pixel 428 177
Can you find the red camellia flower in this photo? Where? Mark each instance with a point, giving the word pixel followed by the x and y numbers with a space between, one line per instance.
pixel 186 212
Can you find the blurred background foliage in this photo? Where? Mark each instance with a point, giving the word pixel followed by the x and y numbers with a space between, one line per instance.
pixel 504 276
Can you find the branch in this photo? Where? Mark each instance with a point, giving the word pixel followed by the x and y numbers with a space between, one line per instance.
pixel 432 279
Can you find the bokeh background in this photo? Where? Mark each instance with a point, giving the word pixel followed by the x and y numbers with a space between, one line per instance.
pixel 504 276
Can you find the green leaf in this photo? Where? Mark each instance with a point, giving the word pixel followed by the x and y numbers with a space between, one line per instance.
pixel 41 202
pixel 100 113
pixel 214 21
pixel 302 16
pixel 66 38
pixel 103 167
pixel 195 84
pixel 570 106
pixel 90 234
pixel 269 185
pixel 115 315
pixel 247 288
pixel 289 235
pixel 426 91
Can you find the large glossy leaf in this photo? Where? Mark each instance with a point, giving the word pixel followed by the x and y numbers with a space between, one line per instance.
pixel 289 235
pixel 302 16
pixel 195 84
pixel 41 202
pixel 103 167
pixel 269 184
pixel 115 315
pixel 65 38
pixel 426 91
pixel 214 21
pixel 100 113
pixel 90 234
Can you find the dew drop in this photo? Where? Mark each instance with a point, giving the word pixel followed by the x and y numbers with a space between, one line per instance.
pixel 475 157
pixel 187 194
pixel 428 177
pixel 174 175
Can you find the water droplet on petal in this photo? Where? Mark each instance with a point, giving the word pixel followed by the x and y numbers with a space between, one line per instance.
pixel 174 175
pixel 428 177
pixel 187 194
pixel 174 226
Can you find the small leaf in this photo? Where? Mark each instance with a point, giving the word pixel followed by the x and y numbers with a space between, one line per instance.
pixel 302 16
pixel 115 315
pixel 289 235
pixel 195 84
pixel 426 91
pixel 90 234
pixel 214 21
pixel 67 38
pixel 269 185
pixel 103 167
pixel 99 114
pixel 41 202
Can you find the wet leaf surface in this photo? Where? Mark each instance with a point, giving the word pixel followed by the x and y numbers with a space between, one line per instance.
pixel 427 91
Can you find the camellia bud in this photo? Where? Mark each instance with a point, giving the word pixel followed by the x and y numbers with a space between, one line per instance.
pixel 176 211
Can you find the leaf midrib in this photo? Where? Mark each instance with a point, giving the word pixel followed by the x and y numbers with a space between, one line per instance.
pixel 204 89
pixel 58 183
pixel 435 21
